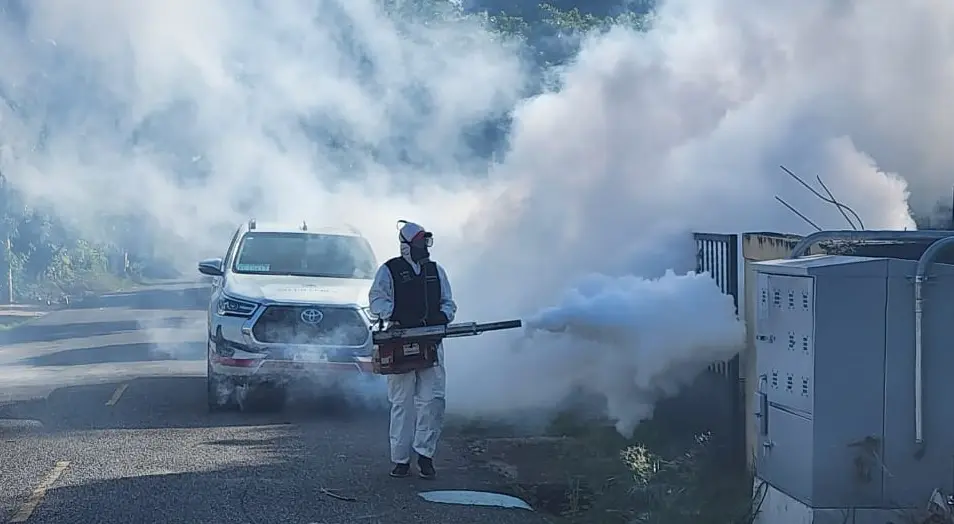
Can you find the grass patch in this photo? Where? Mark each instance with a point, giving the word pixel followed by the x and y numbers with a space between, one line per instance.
pixel 690 486
pixel 584 472
pixel 67 292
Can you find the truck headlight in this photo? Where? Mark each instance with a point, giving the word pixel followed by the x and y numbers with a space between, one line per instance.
pixel 231 307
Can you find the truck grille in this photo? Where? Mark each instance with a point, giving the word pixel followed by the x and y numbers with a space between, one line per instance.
pixel 337 327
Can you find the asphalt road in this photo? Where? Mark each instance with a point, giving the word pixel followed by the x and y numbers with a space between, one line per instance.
pixel 103 420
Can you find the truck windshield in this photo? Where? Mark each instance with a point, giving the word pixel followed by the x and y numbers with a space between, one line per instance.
pixel 305 254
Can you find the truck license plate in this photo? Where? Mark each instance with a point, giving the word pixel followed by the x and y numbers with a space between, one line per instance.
pixel 289 365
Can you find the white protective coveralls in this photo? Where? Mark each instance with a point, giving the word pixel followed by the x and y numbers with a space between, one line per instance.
pixel 417 398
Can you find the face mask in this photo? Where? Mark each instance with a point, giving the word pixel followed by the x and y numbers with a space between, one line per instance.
pixel 419 247
pixel 419 253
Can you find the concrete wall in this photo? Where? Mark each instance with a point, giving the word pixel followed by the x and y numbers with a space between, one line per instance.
pixel 757 247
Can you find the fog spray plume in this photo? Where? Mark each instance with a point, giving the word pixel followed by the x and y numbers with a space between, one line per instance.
pixel 173 337
pixel 653 135
pixel 635 340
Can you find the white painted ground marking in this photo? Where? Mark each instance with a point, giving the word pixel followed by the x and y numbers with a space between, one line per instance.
pixel 116 394
pixel 28 507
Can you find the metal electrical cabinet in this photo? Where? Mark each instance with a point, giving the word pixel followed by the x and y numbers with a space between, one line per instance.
pixel 835 396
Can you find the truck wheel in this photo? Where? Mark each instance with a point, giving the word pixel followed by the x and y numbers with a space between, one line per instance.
pixel 220 392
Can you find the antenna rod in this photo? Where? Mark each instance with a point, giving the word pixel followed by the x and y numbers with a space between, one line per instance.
pixel 831 200
pixel 800 215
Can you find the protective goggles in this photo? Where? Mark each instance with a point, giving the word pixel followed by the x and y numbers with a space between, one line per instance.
pixel 422 239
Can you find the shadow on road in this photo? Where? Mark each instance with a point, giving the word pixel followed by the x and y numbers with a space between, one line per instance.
pixel 187 298
pixel 275 477
pixel 121 353
pixel 174 402
pixel 243 467
pixel 41 332
pixel 228 494
pixel 51 332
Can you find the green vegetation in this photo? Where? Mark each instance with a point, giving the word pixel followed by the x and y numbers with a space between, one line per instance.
pixel 45 261
pixel 583 471
pixel 551 34
pixel 688 485
pixel 942 216
pixel 670 476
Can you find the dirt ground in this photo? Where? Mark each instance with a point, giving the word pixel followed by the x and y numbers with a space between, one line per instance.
pixel 585 473
pixel 562 477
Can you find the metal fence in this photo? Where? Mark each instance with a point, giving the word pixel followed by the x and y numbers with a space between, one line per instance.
pixel 718 255
pixel 714 402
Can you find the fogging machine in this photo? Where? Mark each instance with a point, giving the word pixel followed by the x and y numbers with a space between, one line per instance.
pixel 400 350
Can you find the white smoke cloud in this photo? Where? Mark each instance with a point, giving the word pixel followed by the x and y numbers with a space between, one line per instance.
pixel 680 129
pixel 629 339
pixel 640 339
pixel 650 136
pixel 232 88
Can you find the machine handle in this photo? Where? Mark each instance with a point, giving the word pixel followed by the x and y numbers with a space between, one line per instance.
pixel 763 413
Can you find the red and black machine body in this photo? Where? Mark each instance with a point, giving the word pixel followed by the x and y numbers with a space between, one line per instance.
pixel 403 350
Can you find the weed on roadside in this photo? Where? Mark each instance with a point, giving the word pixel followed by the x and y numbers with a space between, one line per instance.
pixel 585 472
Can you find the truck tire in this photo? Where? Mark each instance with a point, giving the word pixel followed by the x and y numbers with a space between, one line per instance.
pixel 220 392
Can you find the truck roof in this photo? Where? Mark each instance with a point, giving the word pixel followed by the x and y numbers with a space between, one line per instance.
pixel 286 227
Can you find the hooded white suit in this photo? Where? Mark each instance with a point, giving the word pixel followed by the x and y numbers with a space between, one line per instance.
pixel 417 398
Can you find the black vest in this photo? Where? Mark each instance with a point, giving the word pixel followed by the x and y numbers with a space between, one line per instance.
pixel 417 298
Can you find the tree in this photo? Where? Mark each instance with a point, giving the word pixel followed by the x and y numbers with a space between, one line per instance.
pixel 552 32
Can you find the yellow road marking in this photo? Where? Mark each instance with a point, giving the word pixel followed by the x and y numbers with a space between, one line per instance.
pixel 116 394
pixel 27 509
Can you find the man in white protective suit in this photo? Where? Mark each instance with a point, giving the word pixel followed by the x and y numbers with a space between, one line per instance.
pixel 412 291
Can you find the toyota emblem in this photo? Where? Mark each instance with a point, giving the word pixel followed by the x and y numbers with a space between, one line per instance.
pixel 311 316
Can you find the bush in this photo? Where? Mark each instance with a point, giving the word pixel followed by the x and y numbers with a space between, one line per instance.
pixel 688 488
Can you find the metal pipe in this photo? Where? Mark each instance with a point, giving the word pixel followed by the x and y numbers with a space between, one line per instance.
pixel 462 329
pixel 864 236
pixel 918 356
pixel 924 264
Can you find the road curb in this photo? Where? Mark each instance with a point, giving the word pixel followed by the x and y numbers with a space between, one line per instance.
pixel 19 423
pixel 26 322
pixel 11 400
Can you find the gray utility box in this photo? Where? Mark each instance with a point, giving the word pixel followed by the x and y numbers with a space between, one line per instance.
pixel 835 343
